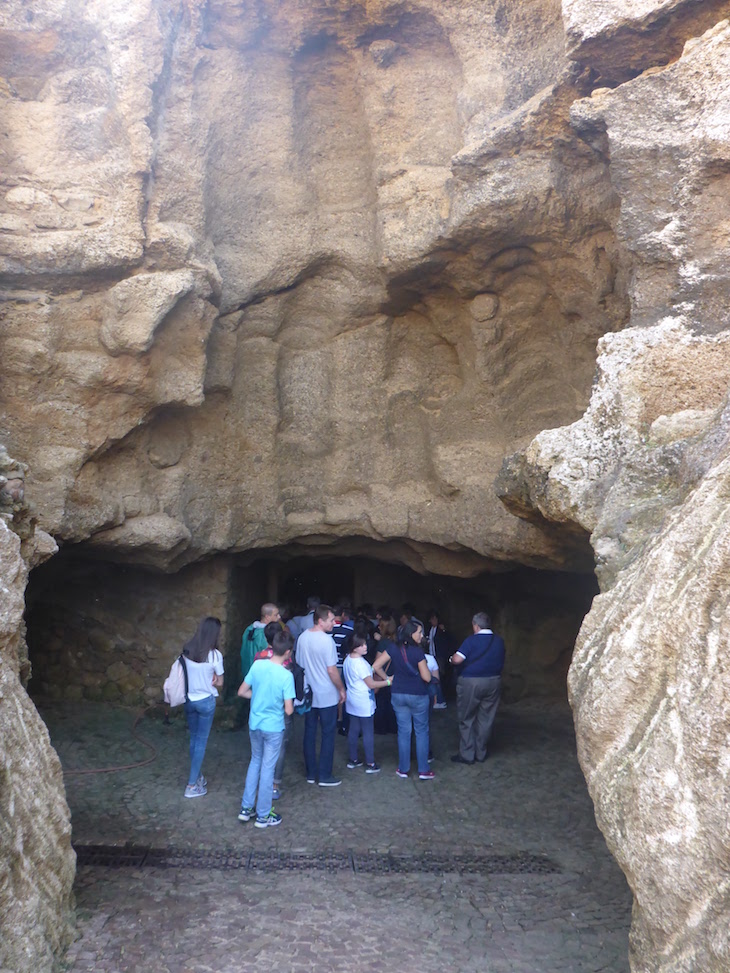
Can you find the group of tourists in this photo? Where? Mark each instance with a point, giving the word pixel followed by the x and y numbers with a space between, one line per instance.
pixel 352 668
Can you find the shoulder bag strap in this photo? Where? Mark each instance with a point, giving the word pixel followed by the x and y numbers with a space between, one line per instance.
pixel 185 674
pixel 407 663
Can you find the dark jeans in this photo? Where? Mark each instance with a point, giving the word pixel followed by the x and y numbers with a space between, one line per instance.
pixel 327 716
pixel 385 721
pixel 367 725
pixel 279 769
pixel 435 692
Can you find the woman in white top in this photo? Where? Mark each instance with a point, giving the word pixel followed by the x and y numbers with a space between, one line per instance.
pixel 204 665
pixel 360 704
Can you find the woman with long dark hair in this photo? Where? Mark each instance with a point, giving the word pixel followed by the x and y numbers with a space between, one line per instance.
pixel 410 698
pixel 204 665
pixel 385 721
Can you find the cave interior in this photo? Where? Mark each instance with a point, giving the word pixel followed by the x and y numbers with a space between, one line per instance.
pixel 99 630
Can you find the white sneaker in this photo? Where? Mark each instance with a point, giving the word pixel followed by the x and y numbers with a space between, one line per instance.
pixel 439 705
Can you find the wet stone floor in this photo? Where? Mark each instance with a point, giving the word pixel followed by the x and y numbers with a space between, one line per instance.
pixel 312 907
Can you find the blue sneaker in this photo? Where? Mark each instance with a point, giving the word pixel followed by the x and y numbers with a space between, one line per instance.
pixel 246 813
pixel 270 821
pixel 276 793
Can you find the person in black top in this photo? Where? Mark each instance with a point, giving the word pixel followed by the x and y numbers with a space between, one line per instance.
pixel 409 694
pixel 342 633
pixel 384 640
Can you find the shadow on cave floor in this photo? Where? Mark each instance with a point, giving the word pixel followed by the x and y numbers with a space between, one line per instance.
pixel 528 799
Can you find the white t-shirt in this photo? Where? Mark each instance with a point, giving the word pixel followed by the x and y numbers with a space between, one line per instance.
pixel 432 664
pixel 200 675
pixel 315 652
pixel 360 698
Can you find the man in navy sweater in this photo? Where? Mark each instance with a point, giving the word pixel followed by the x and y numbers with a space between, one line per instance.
pixel 478 663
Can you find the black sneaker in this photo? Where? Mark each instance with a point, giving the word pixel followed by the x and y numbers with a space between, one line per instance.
pixel 330 782
pixel 352 764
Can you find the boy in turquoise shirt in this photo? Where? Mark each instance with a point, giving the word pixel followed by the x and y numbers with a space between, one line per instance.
pixel 270 687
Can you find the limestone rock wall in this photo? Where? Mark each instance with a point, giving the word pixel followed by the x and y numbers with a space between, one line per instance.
pixel 646 471
pixel 103 632
pixel 284 271
pixel 36 860
pixel 304 273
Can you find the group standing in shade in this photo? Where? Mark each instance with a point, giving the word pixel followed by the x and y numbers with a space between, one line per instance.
pixel 376 676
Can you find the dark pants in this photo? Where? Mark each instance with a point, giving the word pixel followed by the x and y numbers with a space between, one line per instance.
pixel 385 721
pixel 445 673
pixel 435 692
pixel 477 699
pixel 327 716
pixel 367 725
pixel 279 769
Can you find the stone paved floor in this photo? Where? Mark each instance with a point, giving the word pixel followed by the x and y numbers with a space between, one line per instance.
pixel 528 797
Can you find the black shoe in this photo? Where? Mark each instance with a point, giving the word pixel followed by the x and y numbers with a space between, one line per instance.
pixel 342 731
pixel 458 759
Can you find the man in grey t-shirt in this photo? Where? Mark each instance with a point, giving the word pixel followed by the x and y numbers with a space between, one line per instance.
pixel 317 655
pixel 300 623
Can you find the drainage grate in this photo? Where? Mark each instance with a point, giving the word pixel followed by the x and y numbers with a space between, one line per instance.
pixel 115 856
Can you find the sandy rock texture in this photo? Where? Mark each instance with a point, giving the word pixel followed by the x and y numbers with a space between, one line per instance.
pixel 297 274
pixel 618 39
pixel 36 861
pixel 293 272
pixel 646 471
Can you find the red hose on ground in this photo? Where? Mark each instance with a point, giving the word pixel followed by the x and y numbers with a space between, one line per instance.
pixel 141 763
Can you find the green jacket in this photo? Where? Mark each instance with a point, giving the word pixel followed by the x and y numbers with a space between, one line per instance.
pixel 253 641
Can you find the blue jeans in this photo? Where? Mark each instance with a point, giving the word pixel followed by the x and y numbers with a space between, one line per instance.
pixel 412 708
pixel 265 747
pixel 435 692
pixel 367 725
pixel 199 714
pixel 327 716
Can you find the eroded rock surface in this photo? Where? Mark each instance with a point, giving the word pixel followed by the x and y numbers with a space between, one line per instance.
pixel 280 275
pixel 36 861
pixel 646 471
pixel 291 272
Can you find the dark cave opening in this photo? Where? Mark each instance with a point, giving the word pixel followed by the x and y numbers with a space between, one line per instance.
pixel 100 630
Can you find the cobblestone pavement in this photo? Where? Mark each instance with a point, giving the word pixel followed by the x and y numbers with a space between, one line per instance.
pixel 529 797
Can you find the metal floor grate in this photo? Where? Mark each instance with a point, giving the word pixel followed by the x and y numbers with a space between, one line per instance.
pixel 131 856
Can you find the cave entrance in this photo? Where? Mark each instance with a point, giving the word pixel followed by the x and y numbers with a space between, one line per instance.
pixel 104 631
pixel 538 612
